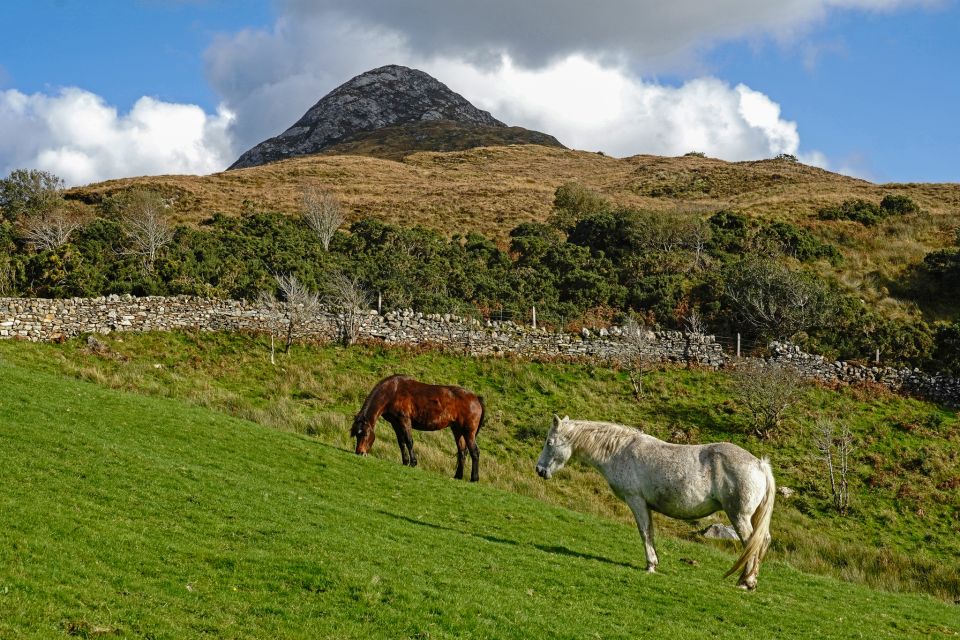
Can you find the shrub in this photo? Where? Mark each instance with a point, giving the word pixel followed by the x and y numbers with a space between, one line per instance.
pixel 767 391
pixel 946 350
pixel 572 201
pixel 867 213
pixel 799 243
pixel 898 205
pixel 857 210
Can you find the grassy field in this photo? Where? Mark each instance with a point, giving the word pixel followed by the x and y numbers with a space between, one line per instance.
pixel 134 516
pixel 901 534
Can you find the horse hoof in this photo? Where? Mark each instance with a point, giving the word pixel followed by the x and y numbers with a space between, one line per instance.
pixel 652 569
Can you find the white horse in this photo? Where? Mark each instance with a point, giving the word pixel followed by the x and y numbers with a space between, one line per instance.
pixel 680 481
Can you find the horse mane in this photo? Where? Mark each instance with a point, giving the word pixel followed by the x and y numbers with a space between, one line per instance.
pixel 600 439
pixel 365 409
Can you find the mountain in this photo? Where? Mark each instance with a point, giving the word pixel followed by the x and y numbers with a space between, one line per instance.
pixel 389 112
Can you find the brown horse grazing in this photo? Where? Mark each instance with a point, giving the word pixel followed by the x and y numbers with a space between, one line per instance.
pixel 407 404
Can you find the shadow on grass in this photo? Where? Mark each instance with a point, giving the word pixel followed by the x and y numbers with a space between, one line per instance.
pixel 553 549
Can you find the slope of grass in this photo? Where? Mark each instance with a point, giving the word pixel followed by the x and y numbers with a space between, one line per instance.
pixel 133 516
pixel 902 534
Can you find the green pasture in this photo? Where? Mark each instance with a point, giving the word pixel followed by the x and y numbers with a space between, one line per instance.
pixel 133 515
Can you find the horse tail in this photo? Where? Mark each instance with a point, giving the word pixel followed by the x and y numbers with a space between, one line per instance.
pixel 756 545
pixel 483 414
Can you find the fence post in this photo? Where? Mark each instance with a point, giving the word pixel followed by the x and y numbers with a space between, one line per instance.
pixel 878 357
pixel 379 301
pixel 738 345
pixel 534 308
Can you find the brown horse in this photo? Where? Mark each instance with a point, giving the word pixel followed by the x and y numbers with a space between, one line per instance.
pixel 407 404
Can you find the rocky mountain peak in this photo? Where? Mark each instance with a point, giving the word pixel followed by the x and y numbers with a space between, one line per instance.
pixel 383 97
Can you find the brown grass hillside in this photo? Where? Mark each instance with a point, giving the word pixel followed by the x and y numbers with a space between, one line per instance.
pixel 492 189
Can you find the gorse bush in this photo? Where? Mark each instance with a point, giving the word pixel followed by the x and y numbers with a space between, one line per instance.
pixel 867 213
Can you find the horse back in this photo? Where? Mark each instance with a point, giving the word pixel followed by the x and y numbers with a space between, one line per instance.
pixel 432 406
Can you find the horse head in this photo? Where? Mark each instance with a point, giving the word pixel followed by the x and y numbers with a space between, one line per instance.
pixel 362 430
pixel 556 450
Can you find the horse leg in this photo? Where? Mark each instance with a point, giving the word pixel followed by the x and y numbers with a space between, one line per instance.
pixel 461 443
pixel 744 528
pixel 402 441
pixel 474 457
pixel 408 434
pixel 645 524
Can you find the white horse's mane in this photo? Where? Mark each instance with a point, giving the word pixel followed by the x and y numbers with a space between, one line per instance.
pixel 599 439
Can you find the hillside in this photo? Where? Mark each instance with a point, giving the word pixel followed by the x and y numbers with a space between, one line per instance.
pixel 493 189
pixel 901 534
pixel 144 517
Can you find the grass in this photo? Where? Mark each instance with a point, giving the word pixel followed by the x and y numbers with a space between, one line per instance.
pixel 134 516
pixel 902 534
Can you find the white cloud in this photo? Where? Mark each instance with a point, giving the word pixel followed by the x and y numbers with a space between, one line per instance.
pixel 589 106
pixel 78 136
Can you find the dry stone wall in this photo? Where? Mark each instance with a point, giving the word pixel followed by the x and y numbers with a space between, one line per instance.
pixel 939 388
pixel 45 320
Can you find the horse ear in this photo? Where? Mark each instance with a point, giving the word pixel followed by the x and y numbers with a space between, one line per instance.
pixel 566 418
pixel 556 420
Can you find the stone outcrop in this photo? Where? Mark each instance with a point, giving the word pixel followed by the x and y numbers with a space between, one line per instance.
pixel 389 96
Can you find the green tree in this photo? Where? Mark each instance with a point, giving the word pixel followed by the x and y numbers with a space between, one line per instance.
pixel 29 191
pixel 572 201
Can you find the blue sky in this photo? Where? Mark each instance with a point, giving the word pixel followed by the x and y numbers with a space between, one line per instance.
pixel 100 89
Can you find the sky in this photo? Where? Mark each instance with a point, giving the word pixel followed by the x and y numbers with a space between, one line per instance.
pixel 100 89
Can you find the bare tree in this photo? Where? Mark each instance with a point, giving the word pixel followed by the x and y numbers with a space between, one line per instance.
pixel 300 305
pixel 322 212
pixel 267 300
pixel 349 301
pixel 698 236
pixel 694 324
pixel 767 391
pixel 637 338
pixel 774 301
pixel 145 224
pixel 835 449
pixel 49 228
